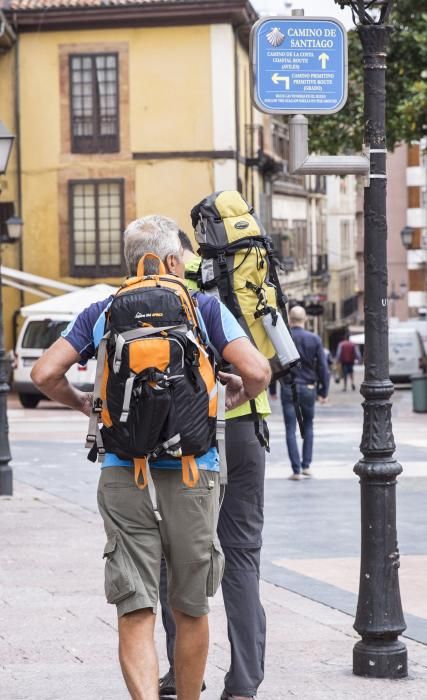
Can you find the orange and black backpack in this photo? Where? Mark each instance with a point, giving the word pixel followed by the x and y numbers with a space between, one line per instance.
pixel 155 392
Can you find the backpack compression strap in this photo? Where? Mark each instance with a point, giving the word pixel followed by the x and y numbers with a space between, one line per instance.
pixel 190 471
pixel 225 285
pixel 264 436
pixel 142 468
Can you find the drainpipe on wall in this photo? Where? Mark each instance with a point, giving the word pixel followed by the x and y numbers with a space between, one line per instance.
pixel 237 98
pixel 7 35
pixel 18 160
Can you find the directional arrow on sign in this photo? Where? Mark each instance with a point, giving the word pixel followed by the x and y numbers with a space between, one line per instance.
pixel 276 78
pixel 324 58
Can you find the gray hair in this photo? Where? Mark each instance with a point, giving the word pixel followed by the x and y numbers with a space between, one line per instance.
pixel 151 234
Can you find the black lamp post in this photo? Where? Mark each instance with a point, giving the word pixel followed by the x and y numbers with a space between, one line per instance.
pixel 379 617
pixel 6 484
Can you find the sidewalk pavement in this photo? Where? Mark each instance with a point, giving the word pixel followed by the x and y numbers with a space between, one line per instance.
pixel 58 637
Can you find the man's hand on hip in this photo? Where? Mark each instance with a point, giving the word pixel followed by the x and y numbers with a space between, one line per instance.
pixel 86 403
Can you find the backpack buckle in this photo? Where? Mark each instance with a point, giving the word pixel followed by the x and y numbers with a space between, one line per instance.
pixel 90 441
pixel 97 405
pixel 222 258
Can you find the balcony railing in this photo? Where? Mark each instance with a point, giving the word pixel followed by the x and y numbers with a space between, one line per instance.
pixel 319 265
pixel 348 307
pixel 317 184
pixel 330 312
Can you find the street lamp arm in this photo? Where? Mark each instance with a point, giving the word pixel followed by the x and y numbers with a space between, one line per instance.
pixel 301 163
pixel 332 165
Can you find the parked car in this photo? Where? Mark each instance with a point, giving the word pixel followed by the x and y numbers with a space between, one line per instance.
pixel 43 324
pixel 36 335
pixel 407 355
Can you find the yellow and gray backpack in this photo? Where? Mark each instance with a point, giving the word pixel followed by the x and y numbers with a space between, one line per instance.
pixel 238 266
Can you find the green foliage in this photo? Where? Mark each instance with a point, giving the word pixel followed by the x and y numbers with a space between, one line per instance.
pixel 406 87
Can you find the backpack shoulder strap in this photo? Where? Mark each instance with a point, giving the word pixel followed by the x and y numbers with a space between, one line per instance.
pixel 220 435
pixel 94 439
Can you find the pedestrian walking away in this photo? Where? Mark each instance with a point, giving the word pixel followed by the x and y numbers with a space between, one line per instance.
pixel 159 480
pixel 312 382
pixel 239 531
pixel 347 354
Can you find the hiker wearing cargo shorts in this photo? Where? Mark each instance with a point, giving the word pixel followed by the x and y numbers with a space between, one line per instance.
pixel 186 533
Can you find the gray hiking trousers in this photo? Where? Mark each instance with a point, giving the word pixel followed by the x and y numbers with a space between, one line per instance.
pixel 240 526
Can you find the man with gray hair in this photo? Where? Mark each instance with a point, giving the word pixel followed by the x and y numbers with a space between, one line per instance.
pixel 136 539
pixel 312 382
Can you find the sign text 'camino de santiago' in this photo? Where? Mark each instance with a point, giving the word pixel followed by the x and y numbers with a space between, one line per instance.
pixel 299 65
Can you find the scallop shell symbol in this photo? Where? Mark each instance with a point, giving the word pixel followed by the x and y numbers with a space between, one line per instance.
pixel 275 37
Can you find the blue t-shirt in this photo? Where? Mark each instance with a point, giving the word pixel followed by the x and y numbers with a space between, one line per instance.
pixel 85 332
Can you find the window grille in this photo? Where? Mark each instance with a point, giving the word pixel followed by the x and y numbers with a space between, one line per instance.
pixel 96 225
pixel 94 103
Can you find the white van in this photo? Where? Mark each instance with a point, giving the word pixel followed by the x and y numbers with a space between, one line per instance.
pixel 36 335
pixel 419 324
pixel 407 355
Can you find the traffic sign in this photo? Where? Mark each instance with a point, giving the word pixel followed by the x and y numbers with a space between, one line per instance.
pixel 314 310
pixel 299 65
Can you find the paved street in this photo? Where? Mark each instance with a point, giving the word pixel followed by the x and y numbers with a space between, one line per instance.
pixel 58 637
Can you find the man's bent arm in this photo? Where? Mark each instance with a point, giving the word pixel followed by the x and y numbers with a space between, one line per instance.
pixel 251 365
pixel 322 371
pixel 48 374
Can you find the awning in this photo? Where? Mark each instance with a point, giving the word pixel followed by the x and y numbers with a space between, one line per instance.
pixel 33 284
pixel 70 304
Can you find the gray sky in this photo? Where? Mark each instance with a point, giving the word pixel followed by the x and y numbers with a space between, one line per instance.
pixel 313 8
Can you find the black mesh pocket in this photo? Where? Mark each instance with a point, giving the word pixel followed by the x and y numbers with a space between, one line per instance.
pixel 151 418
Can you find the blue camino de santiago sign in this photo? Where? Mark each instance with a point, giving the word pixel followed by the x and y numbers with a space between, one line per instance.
pixel 299 65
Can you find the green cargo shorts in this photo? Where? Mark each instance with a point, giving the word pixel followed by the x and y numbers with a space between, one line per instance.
pixel 186 536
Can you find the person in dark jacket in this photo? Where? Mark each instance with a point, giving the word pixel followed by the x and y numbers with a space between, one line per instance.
pixel 312 382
